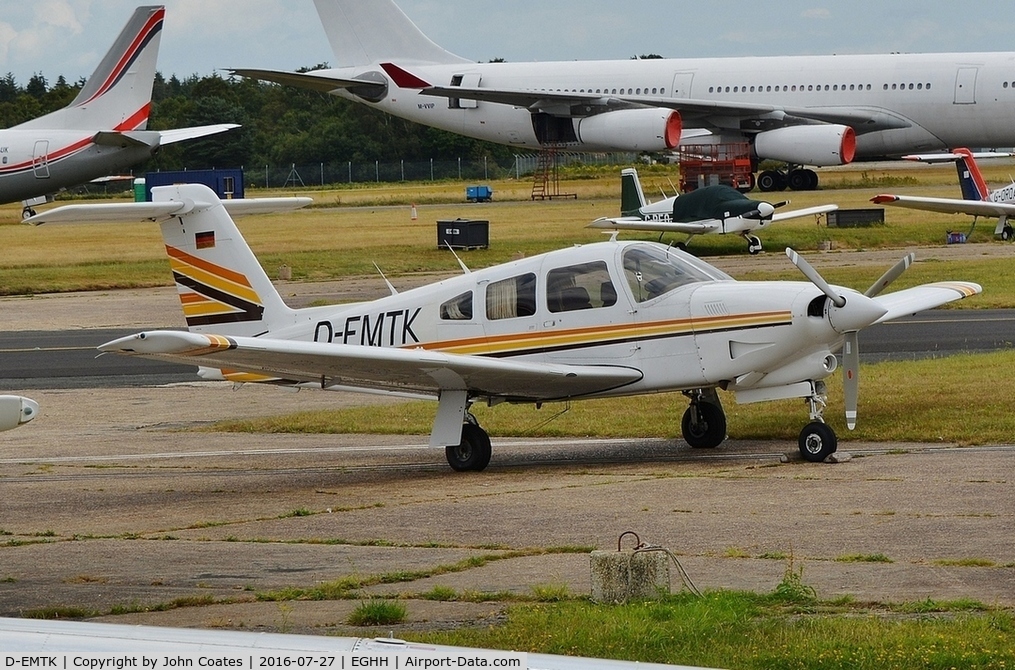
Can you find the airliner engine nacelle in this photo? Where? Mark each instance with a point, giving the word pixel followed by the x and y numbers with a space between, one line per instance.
pixel 15 410
pixel 650 129
pixel 818 145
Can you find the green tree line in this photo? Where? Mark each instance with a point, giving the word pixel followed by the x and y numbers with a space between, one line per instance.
pixel 279 125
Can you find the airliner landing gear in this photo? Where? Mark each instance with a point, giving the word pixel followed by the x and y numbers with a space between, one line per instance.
pixel 704 423
pixel 817 441
pixel 1007 233
pixel 27 212
pixel 797 179
pixel 473 452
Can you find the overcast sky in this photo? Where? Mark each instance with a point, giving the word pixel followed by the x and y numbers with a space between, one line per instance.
pixel 68 37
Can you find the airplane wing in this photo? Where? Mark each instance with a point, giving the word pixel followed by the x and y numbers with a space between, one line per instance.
pixel 181 134
pixel 806 211
pixel 373 368
pixel 950 157
pixel 309 80
pixel 948 205
pixel 927 296
pixel 155 211
pixel 634 223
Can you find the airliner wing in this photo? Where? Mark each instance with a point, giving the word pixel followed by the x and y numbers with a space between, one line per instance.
pixel 806 211
pixel 376 368
pixel 927 296
pixel 181 134
pixel 634 223
pixel 309 80
pixel 948 205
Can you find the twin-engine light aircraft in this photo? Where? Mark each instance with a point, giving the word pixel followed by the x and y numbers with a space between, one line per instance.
pixel 102 130
pixel 802 110
pixel 606 319
pixel 977 200
pixel 16 411
pixel 717 209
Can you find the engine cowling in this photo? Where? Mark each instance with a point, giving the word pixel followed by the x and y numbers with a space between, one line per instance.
pixel 817 145
pixel 650 129
pixel 15 410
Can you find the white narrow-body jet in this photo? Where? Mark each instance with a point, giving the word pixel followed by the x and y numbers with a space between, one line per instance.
pixel 102 131
pixel 606 319
pixel 710 210
pixel 977 200
pixel 810 110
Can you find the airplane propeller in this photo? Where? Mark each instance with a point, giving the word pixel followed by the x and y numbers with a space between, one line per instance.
pixel 764 210
pixel 848 318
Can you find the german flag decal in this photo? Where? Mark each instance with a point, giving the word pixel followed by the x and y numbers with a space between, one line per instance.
pixel 217 294
pixel 205 240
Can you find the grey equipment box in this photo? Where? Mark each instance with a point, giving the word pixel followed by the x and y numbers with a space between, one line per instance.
pixel 463 234
pixel 856 218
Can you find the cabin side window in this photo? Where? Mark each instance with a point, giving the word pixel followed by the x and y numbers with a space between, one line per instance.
pixel 458 308
pixel 584 286
pixel 510 298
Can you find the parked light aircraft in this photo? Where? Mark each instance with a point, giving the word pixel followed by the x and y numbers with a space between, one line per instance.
pixel 804 110
pixel 33 636
pixel 717 209
pixel 102 130
pixel 16 411
pixel 977 200
pixel 606 319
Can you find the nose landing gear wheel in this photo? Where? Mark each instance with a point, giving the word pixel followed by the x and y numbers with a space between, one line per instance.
pixel 817 442
pixel 472 453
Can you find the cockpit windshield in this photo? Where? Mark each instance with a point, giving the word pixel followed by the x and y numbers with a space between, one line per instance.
pixel 653 270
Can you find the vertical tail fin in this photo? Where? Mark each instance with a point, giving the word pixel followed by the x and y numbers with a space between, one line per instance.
pixel 973 185
pixel 632 198
pixel 369 32
pixel 118 94
pixel 222 287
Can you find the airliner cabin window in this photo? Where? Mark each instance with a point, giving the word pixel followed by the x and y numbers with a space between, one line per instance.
pixel 458 308
pixel 510 298
pixel 584 286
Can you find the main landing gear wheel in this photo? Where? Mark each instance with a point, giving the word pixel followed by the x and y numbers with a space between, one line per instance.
pixel 472 453
pixel 753 245
pixel 1007 233
pixel 817 442
pixel 771 180
pixel 27 213
pixel 703 425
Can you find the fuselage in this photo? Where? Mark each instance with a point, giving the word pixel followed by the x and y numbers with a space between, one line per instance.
pixel 927 101
pixel 679 321
pixel 35 162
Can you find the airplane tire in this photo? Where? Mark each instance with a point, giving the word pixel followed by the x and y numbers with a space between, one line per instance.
pixel 472 453
pixel 812 180
pixel 754 246
pixel 709 430
pixel 817 442
pixel 769 180
pixel 1007 233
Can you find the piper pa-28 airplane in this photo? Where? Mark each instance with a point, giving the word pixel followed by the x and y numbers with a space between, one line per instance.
pixel 16 411
pixel 32 636
pixel 804 110
pixel 717 209
pixel 607 319
pixel 102 130
pixel 977 200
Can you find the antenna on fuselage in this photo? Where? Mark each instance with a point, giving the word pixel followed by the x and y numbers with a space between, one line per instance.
pixel 391 288
pixel 465 269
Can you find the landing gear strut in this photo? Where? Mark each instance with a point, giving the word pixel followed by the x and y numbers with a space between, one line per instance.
pixel 473 452
pixel 704 423
pixel 817 440
pixel 753 244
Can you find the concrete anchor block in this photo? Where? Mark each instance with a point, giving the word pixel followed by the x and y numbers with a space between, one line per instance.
pixel 620 576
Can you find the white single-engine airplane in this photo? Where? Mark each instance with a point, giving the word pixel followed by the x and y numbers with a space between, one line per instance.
pixel 606 319
pixel 220 647
pixel 102 130
pixel 804 110
pixel 977 200
pixel 16 411
pixel 717 209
